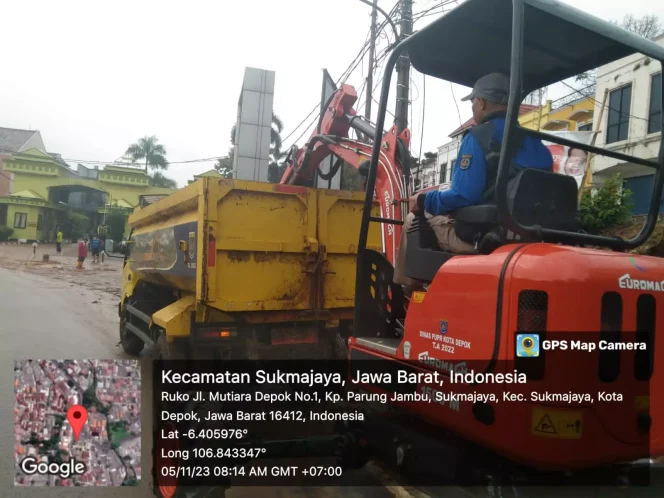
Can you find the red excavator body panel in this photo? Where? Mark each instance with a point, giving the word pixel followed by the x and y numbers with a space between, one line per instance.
pixel 469 318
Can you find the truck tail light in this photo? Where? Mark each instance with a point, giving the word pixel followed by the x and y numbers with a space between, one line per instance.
pixel 223 333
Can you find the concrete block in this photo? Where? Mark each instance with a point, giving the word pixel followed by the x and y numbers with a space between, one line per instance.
pixel 248 145
pixel 266 109
pixel 247 168
pixel 254 119
pixel 263 142
pixel 251 108
pixel 258 80
pixel 262 170
pixel 269 82
pixel 253 79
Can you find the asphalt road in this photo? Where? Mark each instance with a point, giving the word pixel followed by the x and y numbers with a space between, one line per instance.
pixel 51 318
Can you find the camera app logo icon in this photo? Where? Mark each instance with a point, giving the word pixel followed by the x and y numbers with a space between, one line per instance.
pixel 527 345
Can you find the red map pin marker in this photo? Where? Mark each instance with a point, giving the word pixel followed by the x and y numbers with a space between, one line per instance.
pixel 77 416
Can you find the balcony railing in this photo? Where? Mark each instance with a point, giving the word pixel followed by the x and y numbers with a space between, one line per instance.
pixel 582 93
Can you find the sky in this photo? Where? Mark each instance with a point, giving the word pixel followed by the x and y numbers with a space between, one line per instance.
pixel 93 77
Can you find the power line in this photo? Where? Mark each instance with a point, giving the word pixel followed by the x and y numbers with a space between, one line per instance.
pixel 607 106
pixel 345 75
pixel 427 12
pixel 387 16
pixel 455 103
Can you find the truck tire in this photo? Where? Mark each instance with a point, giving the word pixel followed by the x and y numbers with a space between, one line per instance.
pixel 131 344
pixel 165 350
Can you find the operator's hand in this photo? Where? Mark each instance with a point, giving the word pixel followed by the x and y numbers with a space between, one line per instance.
pixel 413 206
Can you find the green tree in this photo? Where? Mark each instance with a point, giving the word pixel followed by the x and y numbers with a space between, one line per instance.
pixel 224 165
pixel 151 150
pixel 5 233
pixel 160 180
pixel 648 26
pixel 608 207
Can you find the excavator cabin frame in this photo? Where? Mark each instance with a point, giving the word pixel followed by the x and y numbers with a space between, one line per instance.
pixel 537 274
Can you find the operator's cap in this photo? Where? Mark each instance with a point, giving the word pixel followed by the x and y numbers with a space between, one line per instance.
pixel 494 87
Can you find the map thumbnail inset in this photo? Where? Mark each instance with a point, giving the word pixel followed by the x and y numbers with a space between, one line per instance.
pixel 108 451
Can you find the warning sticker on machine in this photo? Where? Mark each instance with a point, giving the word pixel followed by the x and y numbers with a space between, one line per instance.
pixel 561 424
pixel 418 297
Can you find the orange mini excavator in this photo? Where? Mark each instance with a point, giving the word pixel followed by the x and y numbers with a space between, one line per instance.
pixel 537 281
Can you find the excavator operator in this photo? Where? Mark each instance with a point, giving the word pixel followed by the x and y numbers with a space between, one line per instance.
pixel 473 180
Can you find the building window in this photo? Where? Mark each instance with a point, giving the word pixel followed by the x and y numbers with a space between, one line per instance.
pixel 20 220
pixel 585 127
pixel 443 173
pixel 619 107
pixel 39 222
pixel 449 178
pixel 655 111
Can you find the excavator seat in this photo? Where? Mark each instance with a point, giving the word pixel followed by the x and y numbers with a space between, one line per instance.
pixel 534 197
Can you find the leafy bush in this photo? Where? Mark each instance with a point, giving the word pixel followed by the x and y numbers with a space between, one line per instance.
pixel 5 232
pixel 609 206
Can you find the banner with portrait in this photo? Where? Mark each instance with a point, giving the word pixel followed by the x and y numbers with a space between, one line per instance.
pixel 569 160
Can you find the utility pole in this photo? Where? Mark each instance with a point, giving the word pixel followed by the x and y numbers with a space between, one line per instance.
pixel 403 68
pixel 372 54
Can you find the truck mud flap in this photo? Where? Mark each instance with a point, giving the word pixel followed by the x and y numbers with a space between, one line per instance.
pixel 139 333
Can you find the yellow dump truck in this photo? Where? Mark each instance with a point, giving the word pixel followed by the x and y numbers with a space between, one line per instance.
pixel 243 270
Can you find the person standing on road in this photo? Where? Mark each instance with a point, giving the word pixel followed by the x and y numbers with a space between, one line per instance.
pixel 96 249
pixel 82 252
pixel 58 241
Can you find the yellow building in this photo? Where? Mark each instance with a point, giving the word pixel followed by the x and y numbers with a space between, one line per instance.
pixel 46 193
pixel 563 114
pixel 568 113
pixel 211 173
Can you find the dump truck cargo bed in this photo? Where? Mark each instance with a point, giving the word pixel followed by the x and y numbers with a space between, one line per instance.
pixel 243 246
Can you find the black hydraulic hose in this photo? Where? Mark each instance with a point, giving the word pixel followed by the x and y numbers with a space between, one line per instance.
pixel 328 139
pixel 333 170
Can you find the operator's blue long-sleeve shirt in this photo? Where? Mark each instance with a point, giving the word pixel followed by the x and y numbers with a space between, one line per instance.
pixel 469 175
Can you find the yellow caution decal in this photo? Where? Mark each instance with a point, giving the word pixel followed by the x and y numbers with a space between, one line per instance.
pixel 417 297
pixel 560 424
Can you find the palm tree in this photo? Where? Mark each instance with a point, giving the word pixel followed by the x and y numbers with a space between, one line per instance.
pixel 275 136
pixel 159 180
pixel 151 150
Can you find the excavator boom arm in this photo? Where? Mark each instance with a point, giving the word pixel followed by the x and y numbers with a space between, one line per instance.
pixel 331 138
